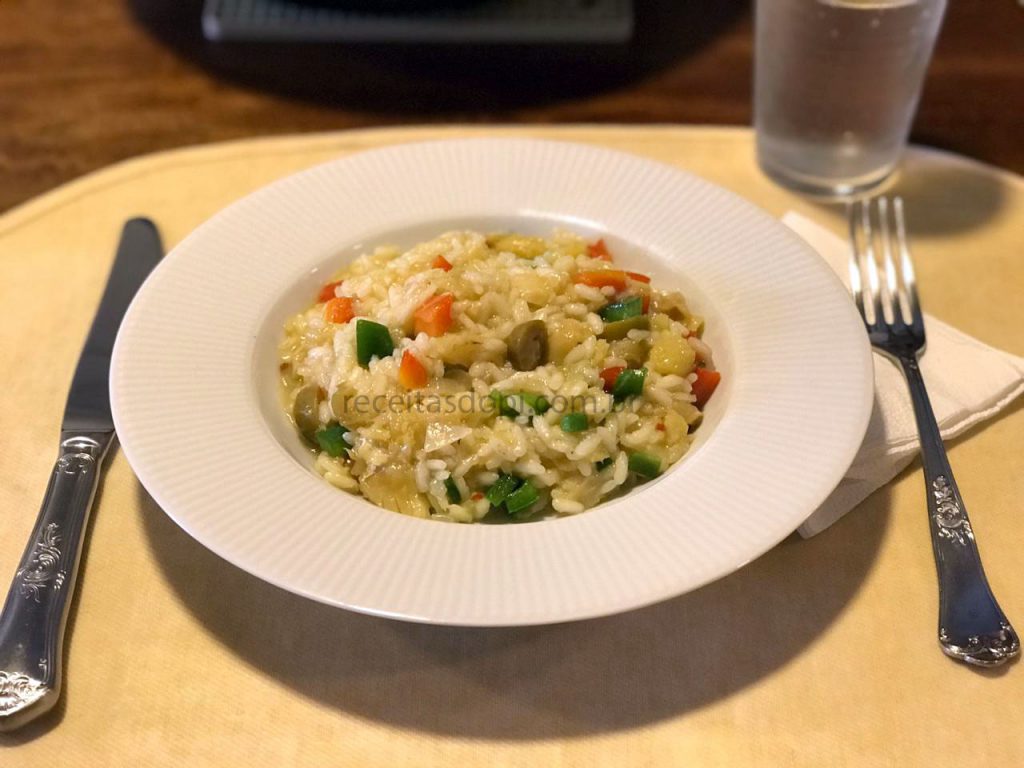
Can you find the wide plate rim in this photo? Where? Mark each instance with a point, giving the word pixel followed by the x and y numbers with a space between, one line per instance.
pixel 261 199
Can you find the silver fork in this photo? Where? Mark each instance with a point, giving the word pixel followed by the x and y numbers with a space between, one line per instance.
pixel 972 627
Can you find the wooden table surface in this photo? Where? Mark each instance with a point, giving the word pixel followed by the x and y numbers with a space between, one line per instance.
pixel 83 85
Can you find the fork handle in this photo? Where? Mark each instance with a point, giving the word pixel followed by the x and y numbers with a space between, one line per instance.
pixel 972 627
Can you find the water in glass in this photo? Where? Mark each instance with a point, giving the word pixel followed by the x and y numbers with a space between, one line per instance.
pixel 836 87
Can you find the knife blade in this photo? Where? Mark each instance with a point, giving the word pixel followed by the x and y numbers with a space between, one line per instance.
pixel 35 611
pixel 88 405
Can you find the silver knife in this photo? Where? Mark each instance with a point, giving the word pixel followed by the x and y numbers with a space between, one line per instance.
pixel 36 610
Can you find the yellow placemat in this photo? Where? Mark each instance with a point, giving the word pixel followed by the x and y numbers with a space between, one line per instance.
pixel 822 652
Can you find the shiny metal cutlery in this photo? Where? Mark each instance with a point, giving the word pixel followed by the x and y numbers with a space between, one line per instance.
pixel 972 626
pixel 36 609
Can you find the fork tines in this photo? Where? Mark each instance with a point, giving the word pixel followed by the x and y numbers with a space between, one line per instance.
pixel 877 232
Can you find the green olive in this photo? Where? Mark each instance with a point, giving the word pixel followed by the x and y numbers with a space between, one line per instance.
pixel 307 411
pixel 458 374
pixel 528 345
pixel 620 328
pixel 672 304
pixel 633 352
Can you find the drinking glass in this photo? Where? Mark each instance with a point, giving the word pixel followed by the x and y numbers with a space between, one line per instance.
pixel 836 85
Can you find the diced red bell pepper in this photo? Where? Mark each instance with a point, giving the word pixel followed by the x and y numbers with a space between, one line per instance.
pixel 609 375
pixel 327 292
pixel 705 385
pixel 599 250
pixel 442 263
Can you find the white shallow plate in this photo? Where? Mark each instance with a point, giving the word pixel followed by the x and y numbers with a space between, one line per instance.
pixel 194 377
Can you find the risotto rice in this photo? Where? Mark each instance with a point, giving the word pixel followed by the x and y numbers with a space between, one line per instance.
pixel 494 377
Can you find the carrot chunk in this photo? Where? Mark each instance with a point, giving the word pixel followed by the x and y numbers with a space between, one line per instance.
pixel 615 278
pixel 434 317
pixel 411 373
pixel 339 310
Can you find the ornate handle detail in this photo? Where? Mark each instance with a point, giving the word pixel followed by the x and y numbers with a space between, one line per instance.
pixel 950 516
pixel 33 617
pixel 972 626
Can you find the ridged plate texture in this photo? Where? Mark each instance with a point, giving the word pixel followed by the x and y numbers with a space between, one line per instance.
pixel 193 382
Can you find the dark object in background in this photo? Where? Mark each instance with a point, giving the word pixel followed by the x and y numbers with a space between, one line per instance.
pixel 390 83
pixel 420 21
pixel 391 6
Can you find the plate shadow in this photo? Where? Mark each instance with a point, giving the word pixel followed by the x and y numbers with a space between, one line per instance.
pixel 534 682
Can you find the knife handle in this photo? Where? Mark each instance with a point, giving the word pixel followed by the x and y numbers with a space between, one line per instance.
pixel 36 610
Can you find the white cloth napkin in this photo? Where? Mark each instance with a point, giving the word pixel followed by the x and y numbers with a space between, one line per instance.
pixel 959 401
